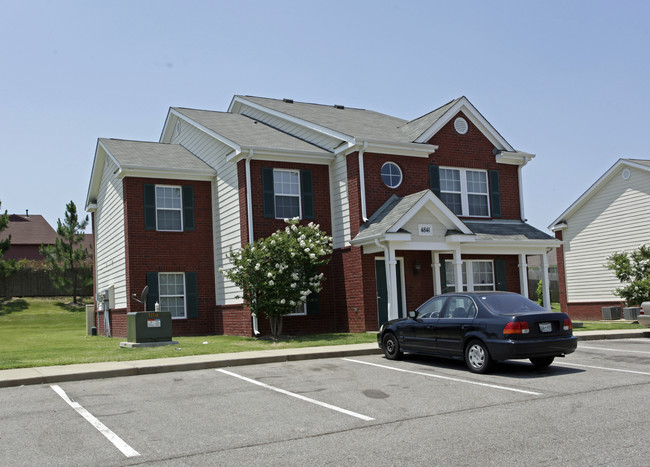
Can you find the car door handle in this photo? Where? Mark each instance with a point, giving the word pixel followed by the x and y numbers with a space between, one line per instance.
pixel 465 327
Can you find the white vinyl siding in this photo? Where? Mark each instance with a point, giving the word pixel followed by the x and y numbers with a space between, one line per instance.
pixel 615 218
pixel 109 236
pixel 225 203
pixel 314 137
pixel 341 233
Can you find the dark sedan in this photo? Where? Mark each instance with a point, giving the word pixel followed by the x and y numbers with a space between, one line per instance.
pixel 480 327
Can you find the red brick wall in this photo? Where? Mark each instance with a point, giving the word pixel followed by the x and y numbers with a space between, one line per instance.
pixel 153 251
pixel 588 311
pixel 474 150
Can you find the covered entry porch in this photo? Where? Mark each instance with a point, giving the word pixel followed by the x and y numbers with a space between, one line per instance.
pixel 418 231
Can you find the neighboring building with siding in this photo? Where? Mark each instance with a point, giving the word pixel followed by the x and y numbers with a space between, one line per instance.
pixel 415 208
pixel 612 215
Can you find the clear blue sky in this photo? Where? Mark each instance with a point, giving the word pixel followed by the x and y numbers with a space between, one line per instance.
pixel 566 80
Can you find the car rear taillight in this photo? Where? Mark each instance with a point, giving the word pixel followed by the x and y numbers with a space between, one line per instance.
pixel 517 327
pixel 568 324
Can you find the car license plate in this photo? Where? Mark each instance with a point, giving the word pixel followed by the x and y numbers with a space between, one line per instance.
pixel 545 327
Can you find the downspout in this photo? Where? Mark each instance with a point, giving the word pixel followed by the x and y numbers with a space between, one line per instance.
pixel 362 182
pixel 249 209
pixel 521 189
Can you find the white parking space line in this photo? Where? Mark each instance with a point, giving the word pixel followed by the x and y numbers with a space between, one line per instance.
pixel 605 368
pixel 298 396
pixel 127 450
pixel 611 350
pixel 448 378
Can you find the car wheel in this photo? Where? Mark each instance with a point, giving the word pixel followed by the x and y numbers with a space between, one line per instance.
pixel 391 347
pixel 477 357
pixel 542 362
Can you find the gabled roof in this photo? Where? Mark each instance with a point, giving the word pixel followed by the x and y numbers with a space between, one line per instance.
pixel 145 159
pixel 396 211
pixel 30 229
pixel 640 164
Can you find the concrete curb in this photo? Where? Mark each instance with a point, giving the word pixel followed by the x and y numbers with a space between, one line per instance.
pixel 63 373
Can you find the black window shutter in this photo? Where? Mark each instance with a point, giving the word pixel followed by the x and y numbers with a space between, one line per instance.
pixel 192 295
pixel 268 192
pixel 152 297
pixel 188 208
pixel 434 179
pixel 312 304
pixel 495 193
pixel 149 207
pixel 500 274
pixel 307 191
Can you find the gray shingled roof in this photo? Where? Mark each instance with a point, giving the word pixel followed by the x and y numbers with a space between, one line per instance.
pixel 490 230
pixel 506 230
pixel 358 123
pixel 149 155
pixel 247 132
pixel 414 129
pixel 387 215
pixel 639 161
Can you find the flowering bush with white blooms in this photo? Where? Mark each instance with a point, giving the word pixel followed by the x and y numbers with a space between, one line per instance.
pixel 278 273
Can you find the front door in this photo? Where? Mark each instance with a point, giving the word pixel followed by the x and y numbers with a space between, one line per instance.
pixel 382 290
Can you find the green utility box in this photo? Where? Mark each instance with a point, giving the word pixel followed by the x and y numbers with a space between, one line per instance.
pixel 149 326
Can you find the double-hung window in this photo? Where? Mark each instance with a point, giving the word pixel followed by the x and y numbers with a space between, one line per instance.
pixel 480 278
pixel 171 289
pixel 465 191
pixel 286 185
pixel 169 208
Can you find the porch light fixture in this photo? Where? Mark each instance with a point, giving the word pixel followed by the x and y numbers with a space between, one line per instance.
pixel 416 267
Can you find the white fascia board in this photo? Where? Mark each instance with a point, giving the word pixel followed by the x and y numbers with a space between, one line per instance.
pixel 206 130
pixel 282 155
pixel 238 101
pixel 101 153
pixel 477 119
pixel 514 157
pixel 460 238
pixel 164 137
pixel 531 247
pixel 400 149
pixel 592 190
pixel 175 174
pixel 397 237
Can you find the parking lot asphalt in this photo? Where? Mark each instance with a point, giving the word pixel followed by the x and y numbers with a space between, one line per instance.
pixel 88 371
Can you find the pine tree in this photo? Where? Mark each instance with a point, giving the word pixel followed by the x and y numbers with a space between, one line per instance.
pixel 67 256
pixel 7 267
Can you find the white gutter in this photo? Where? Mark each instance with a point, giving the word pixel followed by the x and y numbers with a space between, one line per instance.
pixel 362 183
pixel 527 158
pixel 249 197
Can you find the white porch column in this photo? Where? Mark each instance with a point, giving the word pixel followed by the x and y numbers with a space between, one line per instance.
pixel 523 274
pixel 435 266
pixel 391 262
pixel 546 283
pixel 458 269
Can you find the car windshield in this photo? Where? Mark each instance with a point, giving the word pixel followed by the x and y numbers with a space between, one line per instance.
pixel 506 304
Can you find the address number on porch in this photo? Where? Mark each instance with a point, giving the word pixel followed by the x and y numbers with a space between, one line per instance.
pixel 425 229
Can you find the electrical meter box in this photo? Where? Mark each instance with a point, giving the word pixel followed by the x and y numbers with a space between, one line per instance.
pixel 149 326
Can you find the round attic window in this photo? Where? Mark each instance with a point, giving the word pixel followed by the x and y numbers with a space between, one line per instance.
pixel 461 126
pixel 626 174
pixel 391 175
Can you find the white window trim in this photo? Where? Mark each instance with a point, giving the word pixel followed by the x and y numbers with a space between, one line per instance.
pixel 401 174
pixel 160 295
pixel 180 189
pixel 469 275
pixel 299 195
pixel 303 313
pixel 464 193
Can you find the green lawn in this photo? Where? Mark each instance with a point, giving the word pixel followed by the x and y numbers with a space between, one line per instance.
pixel 43 332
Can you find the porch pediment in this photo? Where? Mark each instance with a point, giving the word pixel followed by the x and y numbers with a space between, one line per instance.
pixel 420 217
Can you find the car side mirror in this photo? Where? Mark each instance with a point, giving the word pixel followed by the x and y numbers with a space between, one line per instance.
pixel 413 314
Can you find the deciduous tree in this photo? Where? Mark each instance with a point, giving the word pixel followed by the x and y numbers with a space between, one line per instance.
pixel 633 270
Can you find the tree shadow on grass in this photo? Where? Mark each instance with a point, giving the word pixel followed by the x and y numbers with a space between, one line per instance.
pixel 72 307
pixel 8 306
